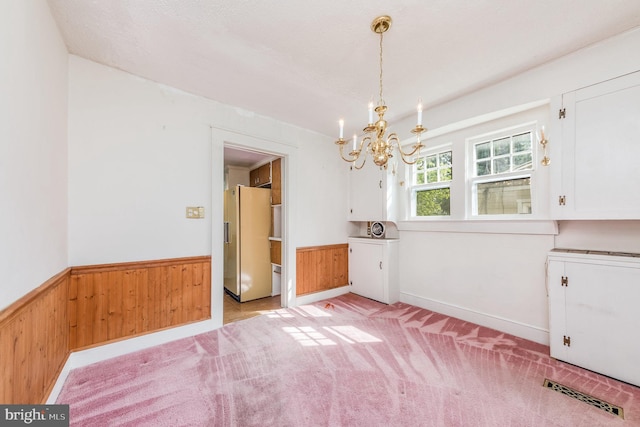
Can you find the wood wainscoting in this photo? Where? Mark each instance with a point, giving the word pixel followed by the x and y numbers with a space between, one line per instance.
pixel 34 342
pixel 320 268
pixel 110 302
pixel 88 306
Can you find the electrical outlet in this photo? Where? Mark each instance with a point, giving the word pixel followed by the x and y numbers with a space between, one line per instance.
pixel 195 212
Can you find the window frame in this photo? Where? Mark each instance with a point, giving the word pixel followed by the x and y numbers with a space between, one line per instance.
pixel 473 179
pixel 415 188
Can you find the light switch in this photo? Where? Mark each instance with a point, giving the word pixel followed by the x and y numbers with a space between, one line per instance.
pixel 195 212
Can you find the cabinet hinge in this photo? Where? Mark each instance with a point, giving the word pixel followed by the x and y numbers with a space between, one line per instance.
pixel 562 200
pixel 562 113
pixel 566 341
pixel 564 281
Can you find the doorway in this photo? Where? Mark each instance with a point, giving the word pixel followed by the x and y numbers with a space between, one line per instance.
pixel 253 169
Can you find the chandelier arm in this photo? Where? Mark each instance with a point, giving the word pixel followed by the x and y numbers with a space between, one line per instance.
pixel 416 148
pixel 361 165
pixel 353 158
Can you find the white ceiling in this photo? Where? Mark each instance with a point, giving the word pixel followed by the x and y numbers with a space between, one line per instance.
pixel 310 63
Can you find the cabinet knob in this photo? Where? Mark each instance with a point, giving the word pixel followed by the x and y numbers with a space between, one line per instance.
pixel 380 265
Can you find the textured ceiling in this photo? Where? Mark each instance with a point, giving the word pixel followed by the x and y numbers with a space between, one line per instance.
pixel 310 63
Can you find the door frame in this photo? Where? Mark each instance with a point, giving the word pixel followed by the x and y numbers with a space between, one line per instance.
pixel 219 139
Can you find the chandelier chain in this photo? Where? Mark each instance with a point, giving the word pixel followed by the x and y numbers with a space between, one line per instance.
pixel 381 98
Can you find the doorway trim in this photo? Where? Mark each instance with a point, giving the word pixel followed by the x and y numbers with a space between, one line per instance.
pixel 220 138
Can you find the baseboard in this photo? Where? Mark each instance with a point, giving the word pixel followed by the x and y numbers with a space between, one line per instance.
pixel 78 359
pixel 519 329
pixel 319 296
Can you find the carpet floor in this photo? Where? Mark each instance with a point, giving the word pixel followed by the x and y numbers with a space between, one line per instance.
pixel 347 361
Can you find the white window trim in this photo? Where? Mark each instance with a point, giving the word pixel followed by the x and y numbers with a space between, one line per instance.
pixel 472 179
pixel 414 188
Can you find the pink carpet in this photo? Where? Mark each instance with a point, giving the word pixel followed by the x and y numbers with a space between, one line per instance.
pixel 347 361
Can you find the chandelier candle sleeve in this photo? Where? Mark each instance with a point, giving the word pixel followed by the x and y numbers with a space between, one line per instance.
pixel 341 124
pixel 370 112
pixel 419 112
pixel 355 140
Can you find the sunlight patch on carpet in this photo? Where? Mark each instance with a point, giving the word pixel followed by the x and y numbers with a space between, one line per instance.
pixel 351 334
pixel 583 397
pixel 307 336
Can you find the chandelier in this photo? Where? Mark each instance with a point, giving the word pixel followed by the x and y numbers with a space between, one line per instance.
pixel 376 143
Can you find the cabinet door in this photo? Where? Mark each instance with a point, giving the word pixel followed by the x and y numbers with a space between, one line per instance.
pixel 366 187
pixel 600 143
pixel 593 316
pixel 602 319
pixel 260 176
pixel 254 179
pixel 276 182
pixel 264 174
pixel 366 274
pixel 557 309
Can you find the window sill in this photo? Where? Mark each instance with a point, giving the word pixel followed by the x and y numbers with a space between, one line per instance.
pixel 493 226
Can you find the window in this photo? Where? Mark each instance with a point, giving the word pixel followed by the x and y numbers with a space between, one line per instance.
pixel 431 190
pixel 501 178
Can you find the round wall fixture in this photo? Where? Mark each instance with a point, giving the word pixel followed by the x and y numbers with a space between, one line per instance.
pixel 377 230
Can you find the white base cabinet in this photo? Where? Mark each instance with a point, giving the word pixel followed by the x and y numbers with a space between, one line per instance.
pixel 593 311
pixel 373 268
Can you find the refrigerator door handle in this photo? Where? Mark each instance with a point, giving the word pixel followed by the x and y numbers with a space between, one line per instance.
pixel 226 232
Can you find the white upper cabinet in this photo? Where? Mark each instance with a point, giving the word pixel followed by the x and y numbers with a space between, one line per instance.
pixel 371 194
pixel 595 157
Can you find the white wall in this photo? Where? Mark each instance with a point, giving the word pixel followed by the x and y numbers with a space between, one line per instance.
pixel 33 148
pixel 497 278
pixel 140 152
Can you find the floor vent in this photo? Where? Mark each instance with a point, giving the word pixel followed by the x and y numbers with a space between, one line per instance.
pixel 590 400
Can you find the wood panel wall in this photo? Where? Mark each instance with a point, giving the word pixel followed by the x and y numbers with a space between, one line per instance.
pixel 110 302
pixel 319 268
pixel 91 305
pixel 34 342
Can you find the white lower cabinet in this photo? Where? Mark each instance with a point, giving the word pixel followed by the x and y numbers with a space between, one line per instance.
pixel 593 311
pixel 373 268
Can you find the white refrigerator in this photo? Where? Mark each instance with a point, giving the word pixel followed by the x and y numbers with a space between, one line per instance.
pixel 247 258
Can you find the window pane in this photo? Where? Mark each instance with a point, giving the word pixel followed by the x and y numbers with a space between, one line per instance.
pixel 522 142
pixel 431 162
pixel 420 178
pixel 483 150
pixel 484 168
pixel 501 146
pixel 445 158
pixel 420 164
pixel 504 197
pixel 432 176
pixel 522 162
pixel 445 174
pixel 433 202
pixel 501 165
